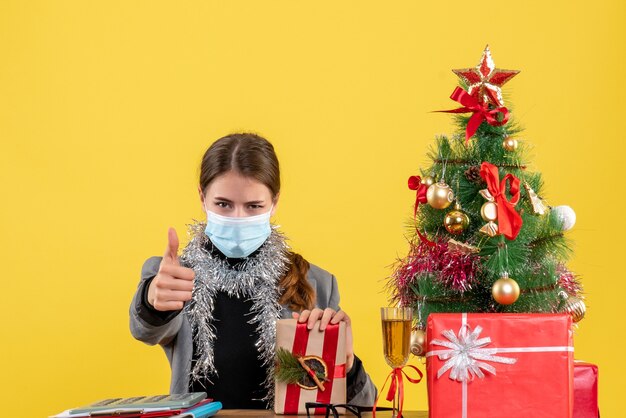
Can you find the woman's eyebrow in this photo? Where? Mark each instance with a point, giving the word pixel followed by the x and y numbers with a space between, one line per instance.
pixel 252 202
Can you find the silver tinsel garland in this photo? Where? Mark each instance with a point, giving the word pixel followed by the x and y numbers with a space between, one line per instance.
pixel 256 278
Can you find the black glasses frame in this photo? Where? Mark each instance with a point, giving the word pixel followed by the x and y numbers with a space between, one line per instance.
pixel 331 408
pixel 355 409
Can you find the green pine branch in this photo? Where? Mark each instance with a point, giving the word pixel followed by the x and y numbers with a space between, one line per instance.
pixel 288 368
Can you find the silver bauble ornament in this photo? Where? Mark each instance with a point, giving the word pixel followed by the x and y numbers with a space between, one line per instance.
pixel 565 215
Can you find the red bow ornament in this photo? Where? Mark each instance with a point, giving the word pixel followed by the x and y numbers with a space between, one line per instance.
pixel 494 117
pixel 415 183
pixel 509 221
pixel 397 384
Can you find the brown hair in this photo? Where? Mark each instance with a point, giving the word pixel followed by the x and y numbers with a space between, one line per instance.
pixel 253 156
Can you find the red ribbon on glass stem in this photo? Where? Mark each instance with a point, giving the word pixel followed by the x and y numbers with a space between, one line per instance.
pixel 509 221
pixel 480 112
pixel 397 384
pixel 415 183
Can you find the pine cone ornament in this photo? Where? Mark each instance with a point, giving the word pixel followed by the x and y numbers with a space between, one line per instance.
pixel 472 175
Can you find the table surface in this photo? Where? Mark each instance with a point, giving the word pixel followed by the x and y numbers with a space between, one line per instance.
pixel 270 414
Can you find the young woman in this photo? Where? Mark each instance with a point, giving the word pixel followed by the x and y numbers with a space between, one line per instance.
pixel 213 309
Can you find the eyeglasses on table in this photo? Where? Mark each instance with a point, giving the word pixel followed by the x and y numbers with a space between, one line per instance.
pixel 329 407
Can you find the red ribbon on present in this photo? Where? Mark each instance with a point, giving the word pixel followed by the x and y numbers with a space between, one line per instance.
pixel 300 341
pixel 397 384
pixel 340 371
pixel 509 221
pixel 415 183
pixel 329 353
pixel 480 112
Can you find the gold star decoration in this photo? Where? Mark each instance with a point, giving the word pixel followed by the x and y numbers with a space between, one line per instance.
pixel 484 82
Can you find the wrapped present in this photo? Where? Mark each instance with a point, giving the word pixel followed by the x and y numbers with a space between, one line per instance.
pixel 585 390
pixel 500 365
pixel 311 366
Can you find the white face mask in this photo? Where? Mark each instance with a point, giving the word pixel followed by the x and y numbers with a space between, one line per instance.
pixel 238 237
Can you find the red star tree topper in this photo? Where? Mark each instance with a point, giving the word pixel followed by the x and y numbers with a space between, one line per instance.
pixel 484 81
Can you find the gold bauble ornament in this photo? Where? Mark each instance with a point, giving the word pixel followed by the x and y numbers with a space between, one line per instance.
pixel 575 307
pixel 418 342
pixel 456 221
pixel 428 181
pixel 505 291
pixel 509 144
pixel 489 211
pixel 439 195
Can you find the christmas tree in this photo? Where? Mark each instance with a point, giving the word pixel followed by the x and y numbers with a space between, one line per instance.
pixel 482 238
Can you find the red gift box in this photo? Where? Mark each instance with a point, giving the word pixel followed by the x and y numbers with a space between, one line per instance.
pixel 585 390
pixel 330 346
pixel 500 365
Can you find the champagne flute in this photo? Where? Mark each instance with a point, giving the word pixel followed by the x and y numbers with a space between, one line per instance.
pixel 396 324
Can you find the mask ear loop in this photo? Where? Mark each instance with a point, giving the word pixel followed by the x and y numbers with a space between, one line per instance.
pixel 204 200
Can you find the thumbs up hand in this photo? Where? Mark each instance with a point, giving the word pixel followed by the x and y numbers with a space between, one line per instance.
pixel 172 285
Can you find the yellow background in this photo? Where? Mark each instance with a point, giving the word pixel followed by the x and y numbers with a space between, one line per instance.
pixel 107 106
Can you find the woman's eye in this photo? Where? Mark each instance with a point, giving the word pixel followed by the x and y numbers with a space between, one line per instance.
pixel 255 206
pixel 221 204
